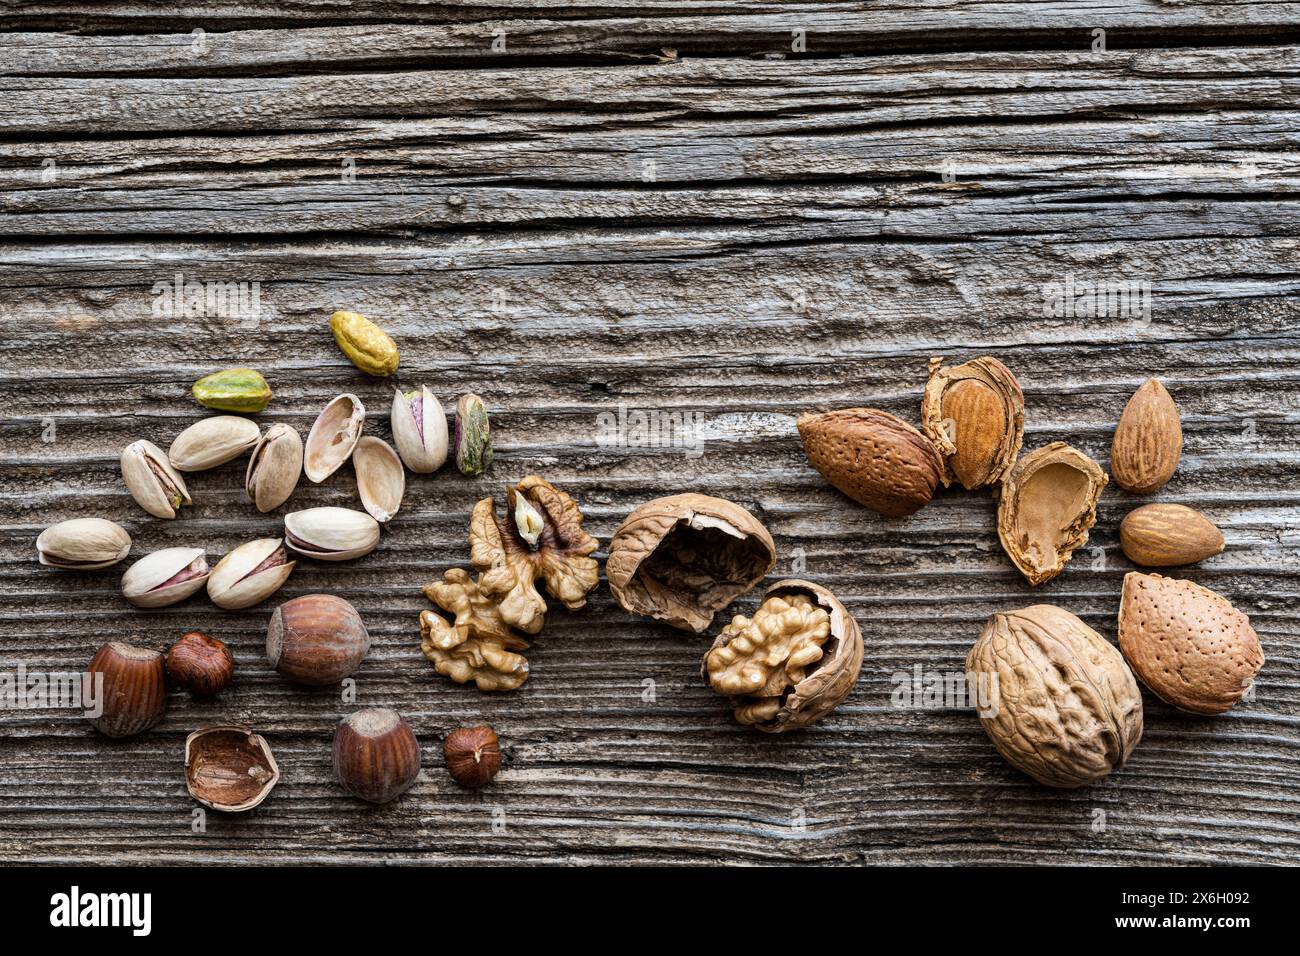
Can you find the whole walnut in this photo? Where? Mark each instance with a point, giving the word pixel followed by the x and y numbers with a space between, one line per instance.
pixel 1065 707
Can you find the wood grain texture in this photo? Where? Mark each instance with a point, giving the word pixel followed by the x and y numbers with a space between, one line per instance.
pixel 582 223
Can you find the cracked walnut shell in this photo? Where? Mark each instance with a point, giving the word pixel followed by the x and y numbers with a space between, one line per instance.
pixel 1048 503
pixel 975 415
pixel 1066 709
pixel 683 558
pixel 469 640
pixel 1187 643
pixel 791 663
pixel 540 536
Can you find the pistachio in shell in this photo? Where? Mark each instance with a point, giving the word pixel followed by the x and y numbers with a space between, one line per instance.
pixel 1048 503
pixel 233 390
pixel 155 485
pixel 331 534
pixel 381 479
pixel 165 577
pixel 683 558
pixel 250 574
pixel 975 415
pixel 83 544
pixel 274 467
pixel 229 768
pixel 333 437
pixel 791 663
pixel 419 430
pixel 212 442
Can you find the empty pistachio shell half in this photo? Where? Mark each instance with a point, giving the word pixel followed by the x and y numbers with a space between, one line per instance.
pixel 419 430
pixel 274 467
pixel 211 442
pixel 381 479
pixel 249 574
pixel 332 438
pixel 83 544
pixel 331 534
pixel 155 485
pixel 165 577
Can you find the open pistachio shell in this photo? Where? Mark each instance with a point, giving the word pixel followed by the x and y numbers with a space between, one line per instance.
pixel 274 467
pixel 83 544
pixel 381 479
pixel 331 534
pixel 211 442
pixel 332 438
pixel 155 485
pixel 249 574
pixel 165 577
pixel 419 430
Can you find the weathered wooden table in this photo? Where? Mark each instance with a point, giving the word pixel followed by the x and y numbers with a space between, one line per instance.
pixel 736 212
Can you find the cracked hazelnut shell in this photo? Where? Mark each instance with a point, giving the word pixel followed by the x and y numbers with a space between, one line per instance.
pixel 229 768
pixel 791 663
pixel 376 755
pixel 683 558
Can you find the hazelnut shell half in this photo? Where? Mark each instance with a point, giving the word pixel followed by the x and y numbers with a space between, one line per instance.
pixel 683 558
pixel 229 768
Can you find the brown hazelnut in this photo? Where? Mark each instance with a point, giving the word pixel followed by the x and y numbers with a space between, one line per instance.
pixel 316 639
pixel 376 754
pixel 134 693
pixel 229 768
pixel 201 663
pixel 473 755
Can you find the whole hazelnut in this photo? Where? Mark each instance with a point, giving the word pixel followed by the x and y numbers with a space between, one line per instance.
pixel 201 663
pixel 134 694
pixel 376 754
pixel 473 755
pixel 316 639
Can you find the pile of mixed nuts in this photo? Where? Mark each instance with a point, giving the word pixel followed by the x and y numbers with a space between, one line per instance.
pixel 1068 708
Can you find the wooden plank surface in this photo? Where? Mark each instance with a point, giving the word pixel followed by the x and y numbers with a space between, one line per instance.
pixel 660 208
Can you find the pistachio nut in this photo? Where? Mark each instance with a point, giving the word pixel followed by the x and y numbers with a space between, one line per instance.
pixel 367 345
pixel 165 577
pixel 473 436
pixel 419 430
pixel 212 441
pixel 274 467
pixel 155 485
pixel 250 574
pixel 329 443
pixel 83 544
pixel 381 479
pixel 233 390
pixel 331 534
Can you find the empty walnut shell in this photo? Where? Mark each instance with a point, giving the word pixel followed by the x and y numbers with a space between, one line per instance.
pixel 875 458
pixel 790 664
pixel 975 415
pixel 229 768
pixel 683 558
pixel 1187 643
pixel 1049 501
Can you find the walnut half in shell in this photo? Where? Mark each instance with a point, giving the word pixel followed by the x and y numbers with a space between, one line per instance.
pixel 792 662
pixel 469 640
pixel 683 558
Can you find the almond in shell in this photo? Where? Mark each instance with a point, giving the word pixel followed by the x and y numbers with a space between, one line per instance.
pixel 975 415
pixel 1165 536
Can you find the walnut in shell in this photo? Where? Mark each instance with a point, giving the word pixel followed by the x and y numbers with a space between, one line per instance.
pixel 467 639
pixel 975 415
pixel 1048 503
pixel 540 536
pixel 791 663
pixel 1187 643
pixel 683 558
pixel 1067 710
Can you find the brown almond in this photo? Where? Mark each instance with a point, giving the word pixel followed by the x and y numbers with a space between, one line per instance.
pixel 1189 645
pixel 1164 536
pixel 873 457
pixel 1148 440
pixel 1047 505
pixel 975 415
